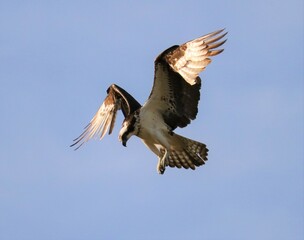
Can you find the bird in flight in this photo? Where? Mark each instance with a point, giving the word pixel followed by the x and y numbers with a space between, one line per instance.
pixel 173 102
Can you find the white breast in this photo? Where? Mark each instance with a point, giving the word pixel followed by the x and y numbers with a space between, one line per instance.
pixel 153 129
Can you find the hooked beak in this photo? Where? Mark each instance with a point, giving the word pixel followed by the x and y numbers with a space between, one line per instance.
pixel 124 140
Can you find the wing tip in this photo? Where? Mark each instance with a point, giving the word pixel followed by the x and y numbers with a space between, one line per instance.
pixel 214 33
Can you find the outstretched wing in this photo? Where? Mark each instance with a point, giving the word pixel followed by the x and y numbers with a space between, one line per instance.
pixel 104 119
pixel 176 88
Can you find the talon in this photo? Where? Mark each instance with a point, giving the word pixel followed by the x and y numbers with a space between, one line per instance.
pixel 161 170
pixel 162 160
pixel 160 167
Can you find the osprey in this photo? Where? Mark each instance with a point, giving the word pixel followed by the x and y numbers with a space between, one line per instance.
pixel 172 103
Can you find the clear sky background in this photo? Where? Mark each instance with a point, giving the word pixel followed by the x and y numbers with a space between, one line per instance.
pixel 57 59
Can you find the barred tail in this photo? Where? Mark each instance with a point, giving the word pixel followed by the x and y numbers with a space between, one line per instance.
pixel 191 155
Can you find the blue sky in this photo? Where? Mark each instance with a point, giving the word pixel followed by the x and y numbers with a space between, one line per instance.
pixel 57 59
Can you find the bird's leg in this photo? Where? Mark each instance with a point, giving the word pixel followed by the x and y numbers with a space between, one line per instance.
pixel 161 165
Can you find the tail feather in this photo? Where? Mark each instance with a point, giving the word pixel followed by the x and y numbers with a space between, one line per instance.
pixel 192 154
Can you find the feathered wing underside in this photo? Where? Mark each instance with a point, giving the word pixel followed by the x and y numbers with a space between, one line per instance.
pixel 176 88
pixel 104 119
pixel 192 57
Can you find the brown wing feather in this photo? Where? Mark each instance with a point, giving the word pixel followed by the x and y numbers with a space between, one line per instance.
pixel 192 57
pixel 105 117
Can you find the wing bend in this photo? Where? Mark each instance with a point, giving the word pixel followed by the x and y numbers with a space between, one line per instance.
pixel 192 57
pixel 104 119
